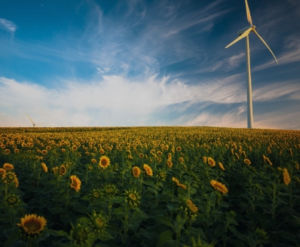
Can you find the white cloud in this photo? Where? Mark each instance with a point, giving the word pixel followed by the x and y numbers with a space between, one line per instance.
pixel 117 101
pixel 7 25
pixel 114 100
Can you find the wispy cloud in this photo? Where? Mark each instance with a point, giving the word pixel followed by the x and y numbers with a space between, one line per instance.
pixel 284 118
pixel 233 118
pixel 7 25
pixel 227 64
pixel 290 54
pixel 286 89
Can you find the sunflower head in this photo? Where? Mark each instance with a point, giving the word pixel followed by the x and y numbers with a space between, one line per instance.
pixel 11 178
pixel 32 224
pixel 44 167
pixel 181 160
pixel 8 166
pixel 99 221
pixel 219 186
pixel 75 183
pixel 62 170
pixel 104 162
pixel 81 233
pixel 211 162
pixel 12 200
pixel 132 198
pixel 247 162
pixel 110 190
pixel 148 170
pixel 2 172
pixel 136 171
pixel 162 175
pixel 191 206
pixel 221 166
pixel 55 170
pixel 95 194
pixel 169 163
pixel 286 176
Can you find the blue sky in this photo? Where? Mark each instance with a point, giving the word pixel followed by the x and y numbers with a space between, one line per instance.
pixel 138 62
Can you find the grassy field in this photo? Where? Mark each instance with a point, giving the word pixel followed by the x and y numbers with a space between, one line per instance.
pixel 156 186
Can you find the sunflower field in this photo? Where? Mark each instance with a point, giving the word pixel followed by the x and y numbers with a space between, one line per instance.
pixel 149 186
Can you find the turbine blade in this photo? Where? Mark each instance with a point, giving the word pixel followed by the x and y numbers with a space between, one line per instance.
pixel 265 43
pixel 241 36
pixel 248 13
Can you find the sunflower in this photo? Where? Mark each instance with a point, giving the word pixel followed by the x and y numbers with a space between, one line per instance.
pixel 181 160
pixel 266 159
pixel 11 177
pixel 99 220
pixel 62 170
pixel 219 186
pixel 169 163
pixel 182 186
pixel 55 170
pixel 44 167
pixel 286 176
pixel 75 183
pixel 32 224
pixel 132 198
pixel 221 166
pixel 191 206
pixel 148 170
pixel 8 166
pixel 2 172
pixel 110 190
pixel 104 162
pixel 136 171
pixel 12 200
pixel 211 161
pixel 247 162
pixel 176 181
pixel 95 194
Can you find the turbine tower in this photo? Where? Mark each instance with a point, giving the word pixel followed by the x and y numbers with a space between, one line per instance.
pixel 245 34
pixel 33 123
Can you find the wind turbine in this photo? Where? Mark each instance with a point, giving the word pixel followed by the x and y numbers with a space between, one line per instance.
pixel 245 34
pixel 33 123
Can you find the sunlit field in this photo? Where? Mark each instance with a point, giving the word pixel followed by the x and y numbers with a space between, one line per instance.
pixel 158 186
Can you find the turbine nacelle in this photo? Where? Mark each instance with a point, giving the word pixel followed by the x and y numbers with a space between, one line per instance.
pixel 240 32
pixel 246 33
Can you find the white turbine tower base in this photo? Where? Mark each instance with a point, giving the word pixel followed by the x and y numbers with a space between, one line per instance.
pixel 245 35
